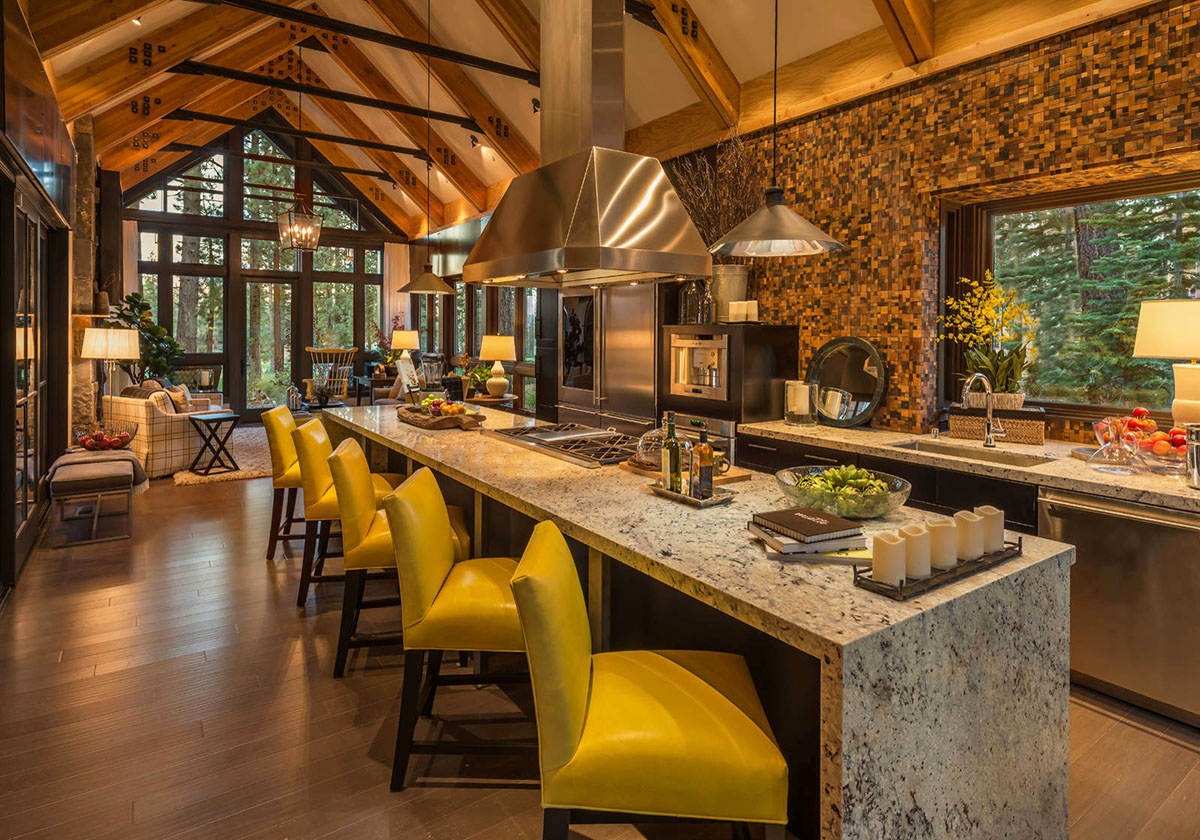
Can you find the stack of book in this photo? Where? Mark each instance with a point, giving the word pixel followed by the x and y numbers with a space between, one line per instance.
pixel 803 533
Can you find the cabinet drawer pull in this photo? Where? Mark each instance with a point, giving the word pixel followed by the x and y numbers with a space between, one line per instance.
pixel 763 448
pixel 821 459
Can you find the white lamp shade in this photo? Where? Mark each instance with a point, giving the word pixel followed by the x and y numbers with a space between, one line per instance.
pixel 406 340
pixel 498 348
pixel 1168 329
pixel 101 343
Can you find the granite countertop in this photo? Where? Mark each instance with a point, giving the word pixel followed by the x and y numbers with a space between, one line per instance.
pixel 706 553
pixel 1064 472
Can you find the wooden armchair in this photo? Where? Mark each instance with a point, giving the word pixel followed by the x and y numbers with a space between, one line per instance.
pixel 332 368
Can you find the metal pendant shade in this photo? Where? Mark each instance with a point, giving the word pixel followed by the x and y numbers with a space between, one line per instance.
pixel 427 283
pixel 299 229
pixel 775 230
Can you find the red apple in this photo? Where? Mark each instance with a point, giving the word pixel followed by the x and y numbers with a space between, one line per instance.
pixel 1140 412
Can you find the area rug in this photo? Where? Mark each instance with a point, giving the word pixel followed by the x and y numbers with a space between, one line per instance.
pixel 248 445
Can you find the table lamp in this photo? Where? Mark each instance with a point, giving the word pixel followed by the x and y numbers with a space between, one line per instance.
pixel 498 348
pixel 1170 329
pixel 110 346
pixel 405 340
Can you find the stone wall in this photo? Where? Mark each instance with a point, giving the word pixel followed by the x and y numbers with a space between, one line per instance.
pixel 83 270
pixel 1110 101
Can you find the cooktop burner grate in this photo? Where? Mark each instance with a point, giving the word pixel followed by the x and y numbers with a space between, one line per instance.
pixel 594 446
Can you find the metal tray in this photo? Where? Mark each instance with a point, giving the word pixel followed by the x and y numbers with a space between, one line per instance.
pixel 940 577
pixel 719 496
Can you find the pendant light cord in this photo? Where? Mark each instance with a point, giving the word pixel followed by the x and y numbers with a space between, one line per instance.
pixel 428 105
pixel 775 105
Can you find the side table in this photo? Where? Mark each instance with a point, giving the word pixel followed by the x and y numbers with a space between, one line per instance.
pixel 208 426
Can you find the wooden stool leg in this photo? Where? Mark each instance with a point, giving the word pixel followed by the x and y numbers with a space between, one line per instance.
pixel 276 519
pixel 410 699
pixel 325 529
pixel 775 832
pixel 556 823
pixel 310 548
pixel 432 669
pixel 356 581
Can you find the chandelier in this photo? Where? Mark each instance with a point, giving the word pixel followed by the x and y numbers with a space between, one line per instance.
pixel 299 228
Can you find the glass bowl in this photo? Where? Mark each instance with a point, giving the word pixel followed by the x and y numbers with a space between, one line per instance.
pixel 1172 462
pixel 106 435
pixel 844 504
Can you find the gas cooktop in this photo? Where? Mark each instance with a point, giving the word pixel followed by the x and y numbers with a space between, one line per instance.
pixel 582 445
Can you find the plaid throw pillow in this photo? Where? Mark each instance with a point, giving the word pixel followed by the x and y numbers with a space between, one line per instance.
pixel 137 392
pixel 179 395
pixel 162 400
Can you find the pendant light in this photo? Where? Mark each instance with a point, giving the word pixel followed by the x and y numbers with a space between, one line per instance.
pixel 428 283
pixel 775 230
pixel 299 226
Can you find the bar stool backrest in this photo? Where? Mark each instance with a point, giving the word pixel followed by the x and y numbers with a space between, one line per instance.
pixel 280 424
pixel 424 542
pixel 558 642
pixel 313 450
pixel 355 492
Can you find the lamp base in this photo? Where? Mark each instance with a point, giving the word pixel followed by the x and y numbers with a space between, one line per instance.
pixel 1186 407
pixel 498 385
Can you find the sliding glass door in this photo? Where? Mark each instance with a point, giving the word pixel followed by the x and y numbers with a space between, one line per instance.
pixel 269 346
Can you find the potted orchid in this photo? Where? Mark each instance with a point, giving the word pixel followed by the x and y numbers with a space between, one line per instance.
pixel 995 330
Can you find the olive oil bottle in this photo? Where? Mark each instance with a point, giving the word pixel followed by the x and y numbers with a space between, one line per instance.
pixel 672 458
pixel 700 472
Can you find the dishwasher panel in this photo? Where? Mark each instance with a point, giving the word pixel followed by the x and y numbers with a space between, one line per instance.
pixel 1135 599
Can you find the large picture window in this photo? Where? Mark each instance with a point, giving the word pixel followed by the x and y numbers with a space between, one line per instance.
pixel 1083 262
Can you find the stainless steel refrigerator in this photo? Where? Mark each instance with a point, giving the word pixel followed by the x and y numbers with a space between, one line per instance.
pixel 607 357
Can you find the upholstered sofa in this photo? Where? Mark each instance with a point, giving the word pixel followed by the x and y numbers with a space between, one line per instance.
pixel 166 442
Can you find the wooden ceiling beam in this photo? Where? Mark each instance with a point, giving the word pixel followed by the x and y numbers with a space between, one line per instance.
pixel 518 26
pixel 372 80
pixel 351 124
pixel 59 25
pixel 115 76
pixel 499 132
pixel 909 23
pixel 699 60
pixel 967 31
pixel 134 117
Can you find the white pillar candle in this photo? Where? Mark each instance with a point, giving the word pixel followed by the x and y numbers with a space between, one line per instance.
pixel 993 528
pixel 943 543
pixel 737 310
pixel 916 552
pixel 970 535
pixel 751 310
pixel 888 558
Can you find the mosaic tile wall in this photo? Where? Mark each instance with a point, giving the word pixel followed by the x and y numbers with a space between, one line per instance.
pixel 1070 110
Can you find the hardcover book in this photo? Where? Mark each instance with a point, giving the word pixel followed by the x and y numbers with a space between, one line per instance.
pixel 807 524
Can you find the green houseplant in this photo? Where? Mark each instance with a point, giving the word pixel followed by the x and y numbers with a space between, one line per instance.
pixel 160 352
pixel 995 330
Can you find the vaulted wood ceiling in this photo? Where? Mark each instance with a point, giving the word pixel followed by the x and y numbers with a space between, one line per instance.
pixel 694 72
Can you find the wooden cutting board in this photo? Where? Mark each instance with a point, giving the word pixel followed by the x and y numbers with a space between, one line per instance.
pixel 734 474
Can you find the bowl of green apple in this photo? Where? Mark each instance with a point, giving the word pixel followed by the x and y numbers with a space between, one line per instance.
pixel 845 490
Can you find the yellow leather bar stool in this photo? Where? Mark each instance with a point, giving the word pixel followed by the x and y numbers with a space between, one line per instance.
pixel 285 476
pixel 660 734
pixel 320 502
pixel 366 547
pixel 463 606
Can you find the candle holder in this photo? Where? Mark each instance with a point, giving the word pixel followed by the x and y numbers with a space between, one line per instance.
pixel 940 577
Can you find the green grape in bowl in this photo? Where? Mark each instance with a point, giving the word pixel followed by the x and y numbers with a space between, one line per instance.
pixel 845 490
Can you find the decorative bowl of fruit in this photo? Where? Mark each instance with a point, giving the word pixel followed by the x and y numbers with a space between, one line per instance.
pixel 104 436
pixel 845 491
pixel 1161 451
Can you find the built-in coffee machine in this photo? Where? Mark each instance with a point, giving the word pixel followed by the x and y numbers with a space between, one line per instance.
pixel 720 375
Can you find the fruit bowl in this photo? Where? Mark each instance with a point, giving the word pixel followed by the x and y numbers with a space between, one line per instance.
pixel 847 504
pixel 106 436
pixel 1161 451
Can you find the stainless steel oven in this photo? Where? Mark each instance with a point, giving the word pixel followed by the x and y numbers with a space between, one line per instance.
pixel 699 365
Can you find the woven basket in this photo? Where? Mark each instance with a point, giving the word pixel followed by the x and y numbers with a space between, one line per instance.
pixel 1025 425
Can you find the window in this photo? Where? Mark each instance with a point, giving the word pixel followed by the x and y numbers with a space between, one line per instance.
pixel 200 191
pixel 529 325
pixel 328 258
pixel 148 287
pixel 266 255
pixel 507 320
pixel 148 246
pixel 198 314
pixel 334 216
pixel 1083 262
pixel 268 187
pixel 373 261
pixel 151 201
pixel 372 312
pixel 480 321
pixel 197 250
pixel 333 315
pixel 460 318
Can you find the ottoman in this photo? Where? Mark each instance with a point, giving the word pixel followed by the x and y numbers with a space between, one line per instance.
pixel 92 490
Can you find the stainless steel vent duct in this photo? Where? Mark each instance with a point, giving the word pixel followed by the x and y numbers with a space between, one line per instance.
pixel 592 214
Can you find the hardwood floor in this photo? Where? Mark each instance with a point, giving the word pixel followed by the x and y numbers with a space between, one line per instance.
pixel 168 687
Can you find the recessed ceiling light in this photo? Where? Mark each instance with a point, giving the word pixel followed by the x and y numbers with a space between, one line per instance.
pixel 137 21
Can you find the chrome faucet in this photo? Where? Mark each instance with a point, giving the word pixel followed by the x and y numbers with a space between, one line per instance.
pixel 992 428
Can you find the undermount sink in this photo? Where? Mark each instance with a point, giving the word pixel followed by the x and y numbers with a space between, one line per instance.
pixel 977 452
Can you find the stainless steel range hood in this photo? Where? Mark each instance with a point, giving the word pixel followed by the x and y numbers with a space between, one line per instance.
pixel 592 214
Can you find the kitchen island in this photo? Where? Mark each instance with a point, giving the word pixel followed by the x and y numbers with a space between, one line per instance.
pixel 943 716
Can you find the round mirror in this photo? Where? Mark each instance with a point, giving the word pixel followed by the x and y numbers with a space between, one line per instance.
pixel 851 378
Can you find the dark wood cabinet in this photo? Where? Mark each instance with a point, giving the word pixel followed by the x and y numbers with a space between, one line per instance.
pixel 933 488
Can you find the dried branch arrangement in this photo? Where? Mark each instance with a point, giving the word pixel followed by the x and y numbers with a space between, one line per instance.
pixel 719 188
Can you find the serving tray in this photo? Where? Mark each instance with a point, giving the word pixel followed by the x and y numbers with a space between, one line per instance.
pixel 940 577
pixel 719 497
pixel 412 415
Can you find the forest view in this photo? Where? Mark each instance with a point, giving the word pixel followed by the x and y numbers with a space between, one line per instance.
pixel 1084 270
